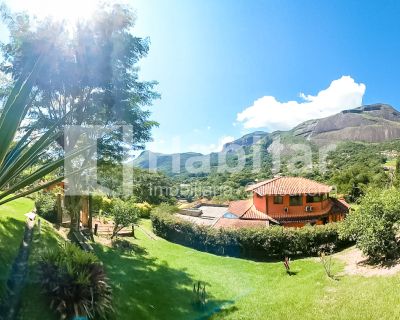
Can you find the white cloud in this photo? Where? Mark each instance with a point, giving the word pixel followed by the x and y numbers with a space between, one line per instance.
pixel 213 147
pixel 267 112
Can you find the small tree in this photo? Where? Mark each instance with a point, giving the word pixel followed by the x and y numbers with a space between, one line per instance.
pixel 124 215
pixel 325 255
pixel 375 225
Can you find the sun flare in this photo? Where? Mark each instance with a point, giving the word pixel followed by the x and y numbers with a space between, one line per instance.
pixel 70 11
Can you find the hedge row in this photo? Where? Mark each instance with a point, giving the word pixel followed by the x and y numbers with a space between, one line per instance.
pixel 275 241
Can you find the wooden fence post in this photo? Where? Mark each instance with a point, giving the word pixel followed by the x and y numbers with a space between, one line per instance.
pixel 59 209
pixel 96 225
pixel 90 222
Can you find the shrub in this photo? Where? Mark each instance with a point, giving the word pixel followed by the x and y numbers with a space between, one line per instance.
pixel 275 241
pixel 45 203
pixel 106 205
pixel 75 282
pixel 165 208
pixel 144 209
pixel 375 224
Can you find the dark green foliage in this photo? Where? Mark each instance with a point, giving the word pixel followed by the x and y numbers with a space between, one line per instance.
pixel 151 187
pixel 220 187
pixel 353 167
pixel 375 224
pixel 274 241
pixel 75 283
pixel 45 203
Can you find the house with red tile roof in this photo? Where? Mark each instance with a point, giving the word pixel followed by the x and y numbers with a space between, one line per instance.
pixel 286 201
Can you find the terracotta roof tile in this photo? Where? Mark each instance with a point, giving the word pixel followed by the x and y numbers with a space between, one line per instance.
pixel 289 185
pixel 239 207
pixel 245 209
pixel 253 213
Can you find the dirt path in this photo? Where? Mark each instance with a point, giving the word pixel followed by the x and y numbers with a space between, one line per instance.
pixel 355 264
pixel 15 283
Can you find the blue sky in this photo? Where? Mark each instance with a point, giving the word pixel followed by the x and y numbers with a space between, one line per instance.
pixel 226 68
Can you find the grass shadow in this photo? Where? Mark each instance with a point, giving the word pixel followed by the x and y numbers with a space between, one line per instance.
pixel 11 234
pixel 128 247
pixel 385 264
pixel 145 288
pixel 222 313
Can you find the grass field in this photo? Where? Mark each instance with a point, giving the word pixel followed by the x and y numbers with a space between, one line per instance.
pixel 155 282
pixel 12 224
pixel 34 305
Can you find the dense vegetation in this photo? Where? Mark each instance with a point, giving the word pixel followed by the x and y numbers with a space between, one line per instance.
pixel 352 167
pixel 375 225
pixel 275 241
pixel 45 204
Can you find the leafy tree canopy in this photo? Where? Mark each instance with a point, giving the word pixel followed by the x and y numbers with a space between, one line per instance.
pixel 91 70
pixel 375 224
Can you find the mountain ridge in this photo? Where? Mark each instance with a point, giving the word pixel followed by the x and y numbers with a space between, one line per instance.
pixel 371 123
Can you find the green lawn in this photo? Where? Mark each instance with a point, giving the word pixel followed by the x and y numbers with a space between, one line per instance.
pixel 155 282
pixel 34 305
pixel 12 224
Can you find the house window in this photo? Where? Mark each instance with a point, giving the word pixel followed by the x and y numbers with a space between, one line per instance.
pixel 278 200
pixel 296 200
pixel 313 198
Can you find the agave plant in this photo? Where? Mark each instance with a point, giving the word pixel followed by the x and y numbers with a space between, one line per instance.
pixel 18 155
pixel 75 282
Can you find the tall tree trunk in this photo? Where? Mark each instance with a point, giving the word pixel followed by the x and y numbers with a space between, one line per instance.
pixel 73 205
